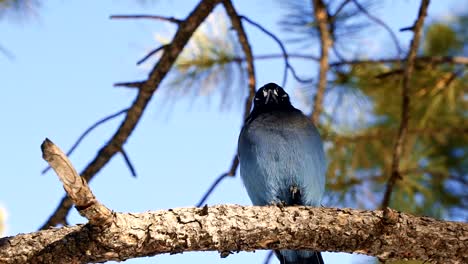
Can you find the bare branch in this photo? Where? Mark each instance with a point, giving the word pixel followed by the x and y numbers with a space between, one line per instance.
pixel 237 24
pixel 231 172
pixel 268 257
pixel 299 79
pixel 287 65
pixel 244 41
pixel 410 28
pixel 281 56
pixel 339 9
pixel 151 53
pixel 87 131
pixel 129 163
pixel 278 41
pixel 235 228
pixel 155 17
pixel 422 59
pixel 383 24
pixel 129 84
pixel 321 16
pixel 145 93
pixel 75 186
pixel 405 106
pixel 211 189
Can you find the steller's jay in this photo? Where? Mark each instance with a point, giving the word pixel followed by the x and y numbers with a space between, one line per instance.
pixel 282 160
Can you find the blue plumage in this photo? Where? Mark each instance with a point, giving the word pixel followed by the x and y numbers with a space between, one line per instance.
pixel 282 159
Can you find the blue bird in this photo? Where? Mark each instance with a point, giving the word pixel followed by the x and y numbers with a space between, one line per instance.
pixel 282 160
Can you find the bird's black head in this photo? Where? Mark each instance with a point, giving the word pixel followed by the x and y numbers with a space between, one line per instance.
pixel 271 97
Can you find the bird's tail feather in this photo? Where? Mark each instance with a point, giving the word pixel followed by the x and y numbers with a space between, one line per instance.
pixel 297 258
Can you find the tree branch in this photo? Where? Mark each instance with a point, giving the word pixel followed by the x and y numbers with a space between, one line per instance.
pixel 76 187
pixel 155 17
pixel 128 162
pixel 231 172
pixel 151 53
pixel 212 188
pixel 145 93
pixel 87 131
pixel 383 24
pixel 322 19
pixel 287 65
pixel 244 228
pixel 386 234
pixel 398 148
pixel 243 39
pixel 421 59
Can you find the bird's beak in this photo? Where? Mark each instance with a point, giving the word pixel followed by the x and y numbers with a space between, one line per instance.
pixel 271 96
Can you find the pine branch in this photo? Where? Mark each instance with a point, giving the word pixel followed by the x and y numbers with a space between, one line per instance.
pixel 421 59
pixel 405 107
pixel 321 16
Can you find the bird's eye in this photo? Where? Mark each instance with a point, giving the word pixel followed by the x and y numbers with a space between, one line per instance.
pixel 284 95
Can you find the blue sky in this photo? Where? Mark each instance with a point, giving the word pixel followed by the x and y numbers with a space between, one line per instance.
pixel 66 59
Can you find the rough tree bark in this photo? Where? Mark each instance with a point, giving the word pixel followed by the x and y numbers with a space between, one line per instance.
pixel 228 228
pixel 233 228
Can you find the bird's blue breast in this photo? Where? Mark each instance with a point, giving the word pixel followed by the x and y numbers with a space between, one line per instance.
pixel 281 154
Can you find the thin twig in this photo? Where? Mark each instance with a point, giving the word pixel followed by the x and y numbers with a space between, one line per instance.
pixel 337 53
pixel 129 163
pixel 244 41
pixel 338 10
pixel 145 93
pixel 278 41
pixel 405 106
pixel 410 28
pixel 322 19
pixel 287 65
pixel 426 59
pixel 383 24
pixel 211 189
pixel 155 17
pixel 281 56
pixel 6 52
pixel 231 172
pixel 151 53
pixel 299 79
pixel 87 131
pixel 129 84
pixel 268 257
pixel 421 59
